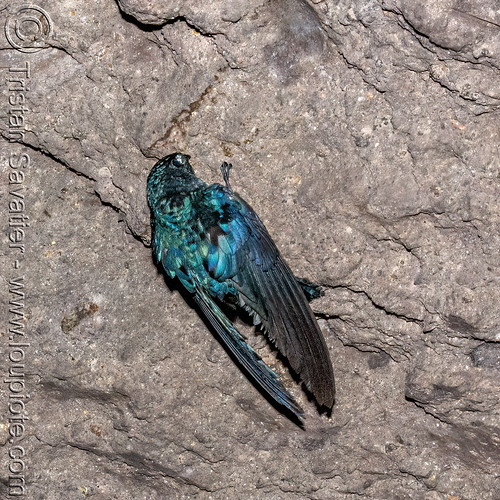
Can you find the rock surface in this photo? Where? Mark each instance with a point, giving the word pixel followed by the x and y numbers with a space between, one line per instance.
pixel 366 134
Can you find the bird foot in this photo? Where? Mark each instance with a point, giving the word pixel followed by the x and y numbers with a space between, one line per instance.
pixel 225 168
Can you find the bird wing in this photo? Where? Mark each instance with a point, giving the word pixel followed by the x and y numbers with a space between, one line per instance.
pixel 242 251
pixel 246 356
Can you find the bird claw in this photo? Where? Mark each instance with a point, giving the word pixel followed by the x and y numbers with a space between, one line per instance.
pixel 225 168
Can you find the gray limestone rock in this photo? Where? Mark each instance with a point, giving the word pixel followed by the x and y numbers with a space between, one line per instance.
pixel 365 134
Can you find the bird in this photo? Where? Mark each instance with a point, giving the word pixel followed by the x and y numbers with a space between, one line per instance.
pixel 211 240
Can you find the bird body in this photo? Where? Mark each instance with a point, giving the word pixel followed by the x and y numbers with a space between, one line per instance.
pixel 214 243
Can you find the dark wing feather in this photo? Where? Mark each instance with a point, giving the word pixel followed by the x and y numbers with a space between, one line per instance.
pixel 246 255
pixel 248 358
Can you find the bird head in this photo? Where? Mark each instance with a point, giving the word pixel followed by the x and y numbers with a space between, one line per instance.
pixel 171 176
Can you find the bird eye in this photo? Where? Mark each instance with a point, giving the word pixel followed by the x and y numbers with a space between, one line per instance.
pixel 178 161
